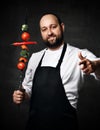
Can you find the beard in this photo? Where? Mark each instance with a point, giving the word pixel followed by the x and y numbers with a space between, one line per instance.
pixel 54 44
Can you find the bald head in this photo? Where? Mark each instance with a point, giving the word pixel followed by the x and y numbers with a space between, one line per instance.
pixel 51 29
pixel 49 16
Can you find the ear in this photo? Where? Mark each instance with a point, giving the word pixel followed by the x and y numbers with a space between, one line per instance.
pixel 63 26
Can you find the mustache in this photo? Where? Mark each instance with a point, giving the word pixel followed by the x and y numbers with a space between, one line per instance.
pixel 52 35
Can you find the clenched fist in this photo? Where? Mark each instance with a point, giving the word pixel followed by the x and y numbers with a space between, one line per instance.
pixel 18 96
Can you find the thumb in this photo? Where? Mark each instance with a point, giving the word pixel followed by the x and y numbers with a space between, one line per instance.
pixel 80 56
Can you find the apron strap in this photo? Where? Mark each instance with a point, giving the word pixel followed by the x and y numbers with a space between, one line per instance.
pixel 62 55
pixel 41 58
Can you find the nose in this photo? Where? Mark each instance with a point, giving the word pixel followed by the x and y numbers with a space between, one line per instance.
pixel 49 32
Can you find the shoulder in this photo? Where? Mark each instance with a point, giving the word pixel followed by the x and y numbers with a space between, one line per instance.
pixel 72 50
pixel 85 52
pixel 38 54
pixel 35 58
pixel 71 47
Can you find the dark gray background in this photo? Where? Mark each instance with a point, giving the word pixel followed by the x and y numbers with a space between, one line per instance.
pixel 82 20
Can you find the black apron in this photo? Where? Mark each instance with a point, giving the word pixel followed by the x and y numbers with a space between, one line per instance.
pixel 50 108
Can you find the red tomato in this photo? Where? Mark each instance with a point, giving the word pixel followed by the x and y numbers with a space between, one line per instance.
pixel 21 65
pixel 25 36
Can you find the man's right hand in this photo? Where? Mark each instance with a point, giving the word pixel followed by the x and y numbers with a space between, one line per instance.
pixel 18 96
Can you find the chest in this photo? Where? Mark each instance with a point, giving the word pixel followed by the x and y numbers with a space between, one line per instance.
pixel 51 58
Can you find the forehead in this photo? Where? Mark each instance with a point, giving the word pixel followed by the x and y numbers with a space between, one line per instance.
pixel 48 19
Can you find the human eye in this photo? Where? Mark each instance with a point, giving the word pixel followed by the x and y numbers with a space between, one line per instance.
pixel 54 26
pixel 43 29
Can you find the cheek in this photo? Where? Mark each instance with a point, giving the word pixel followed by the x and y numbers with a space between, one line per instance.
pixel 43 36
pixel 57 33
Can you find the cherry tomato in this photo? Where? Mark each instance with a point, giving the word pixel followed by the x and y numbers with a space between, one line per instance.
pixel 25 36
pixel 21 65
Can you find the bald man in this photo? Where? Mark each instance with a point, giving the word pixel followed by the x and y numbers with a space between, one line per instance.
pixel 53 77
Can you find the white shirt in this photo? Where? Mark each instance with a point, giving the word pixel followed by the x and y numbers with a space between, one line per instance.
pixel 71 74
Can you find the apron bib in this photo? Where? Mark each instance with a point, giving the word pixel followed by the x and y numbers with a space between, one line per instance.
pixel 50 108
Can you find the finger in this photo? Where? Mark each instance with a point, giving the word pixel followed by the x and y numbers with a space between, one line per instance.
pixel 80 56
pixel 19 92
pixel 17 99
pixel 86 71
pixel 82 66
